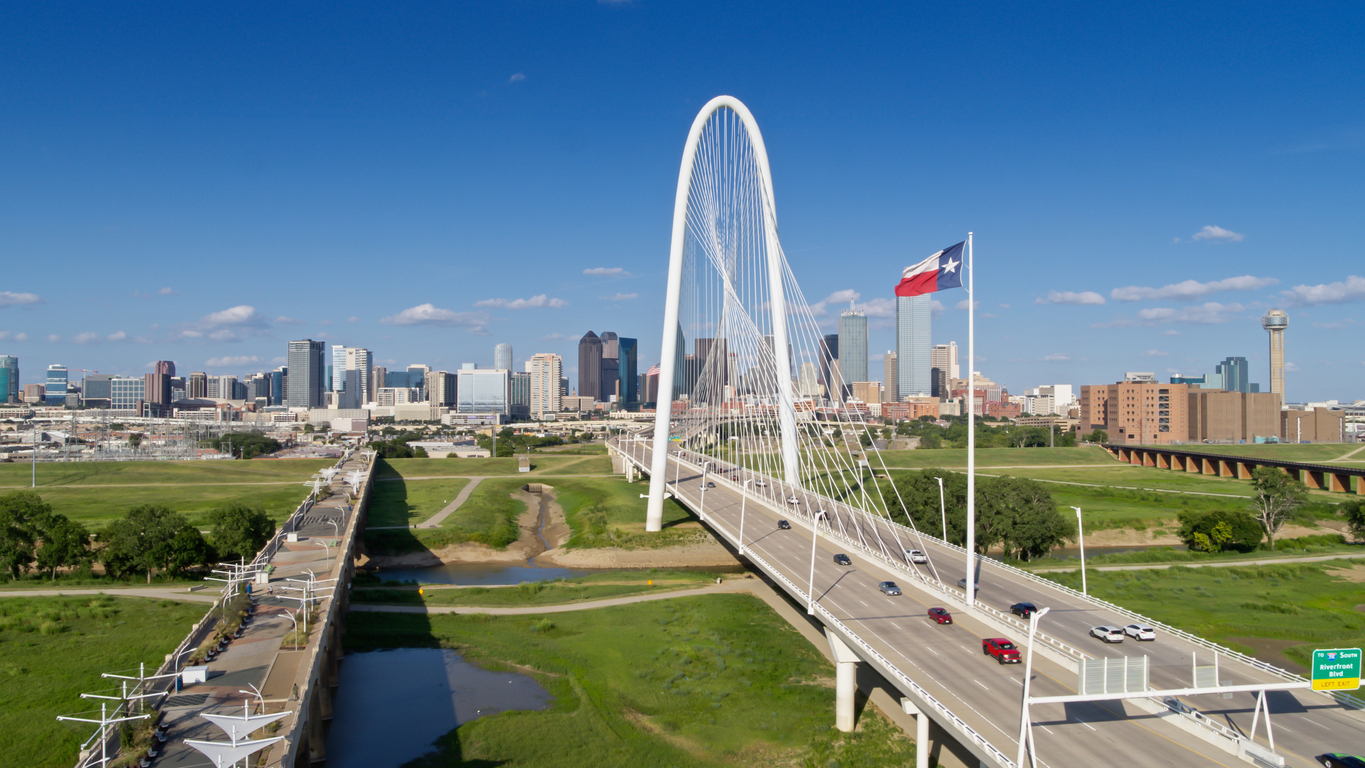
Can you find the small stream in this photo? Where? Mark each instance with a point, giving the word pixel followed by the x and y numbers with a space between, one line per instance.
pixel 392 705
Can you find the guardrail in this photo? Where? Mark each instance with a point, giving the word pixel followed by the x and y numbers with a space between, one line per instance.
pixel 947 714
pixel 1345 699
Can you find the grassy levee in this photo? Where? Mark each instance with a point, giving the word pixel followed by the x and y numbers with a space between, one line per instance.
pixel 1318 453
pixel 997 457
pixel 401 502
pixel 97 492
pixel 608 512
pixel 1276 612
pixel 540 464
pixel 697 681
pixel 52 649
pixel 488 516
pixel 595 586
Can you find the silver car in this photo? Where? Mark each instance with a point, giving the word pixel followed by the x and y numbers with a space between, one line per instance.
pixel 916 556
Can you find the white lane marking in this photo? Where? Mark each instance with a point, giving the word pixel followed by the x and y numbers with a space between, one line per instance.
pixel 1315 722
pixel 931 650
pixel 1044 727
pixel 978 682
pixel 963 647
pixel 864 604
pixel 1082 722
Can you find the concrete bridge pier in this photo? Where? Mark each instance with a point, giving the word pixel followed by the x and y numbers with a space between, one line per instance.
pixel 845 682
pixel 921 733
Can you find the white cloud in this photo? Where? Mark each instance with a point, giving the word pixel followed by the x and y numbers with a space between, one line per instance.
pixel 517 78
pixel 426 314
pixel 1155 353
pixel 243 315
pixel 839 298
pixel 352 319
pixel 1005 306
pixel 4 335
pixel 283 320
pixel 962 305
pixel 1352 289
pixel 223 334
pixel 231 361
pixel 53 338
pixel 1209 313
pixel 880 307
pixel 279 360
pixel 326 322
pixel 1191 289
pixel 1218 233
pixel 604 271
pixel 1172 332
pixel 1336 325
pixel 535 302
pixel 935 307
pixel 10 298
pixel 554 337
pixel 1056 357
pixel 117 336
pixel 1291 367
pixel 1070 297
pixel 21 337
pixel 167 291
pixel 621 297
pixel 86 338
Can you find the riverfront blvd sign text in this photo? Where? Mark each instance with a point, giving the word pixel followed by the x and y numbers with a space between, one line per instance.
pixel 1336 670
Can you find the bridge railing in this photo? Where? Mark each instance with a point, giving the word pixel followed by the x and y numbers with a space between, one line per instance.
pixel 933 585
pixel 1344 698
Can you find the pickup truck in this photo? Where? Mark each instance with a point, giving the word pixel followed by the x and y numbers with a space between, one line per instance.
pixel 1003 650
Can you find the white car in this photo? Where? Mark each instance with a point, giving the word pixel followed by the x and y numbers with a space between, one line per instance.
pixel 916 556
pixel 1139 632
pixel 793 500
pixel 1107 633
pixel 760 484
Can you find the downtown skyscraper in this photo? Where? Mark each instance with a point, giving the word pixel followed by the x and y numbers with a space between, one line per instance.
pixel 307 374
pixel 852 347
pixel 913 358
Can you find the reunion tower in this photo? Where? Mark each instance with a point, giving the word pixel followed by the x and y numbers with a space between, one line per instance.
pixel 1275 321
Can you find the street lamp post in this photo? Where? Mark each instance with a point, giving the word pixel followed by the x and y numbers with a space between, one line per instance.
pixel 1080 535
pixel 705 468
pixel 1026 733
pixel 942 509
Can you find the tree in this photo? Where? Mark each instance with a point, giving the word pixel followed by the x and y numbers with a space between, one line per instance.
pixel 149 538
pixel 1097 436
pixel 1019 516
pixel 21 516
pixel 239 530
pixel 65 544
pixel 1220 531
pixel 919 493
pixel 134 440
pixel 1275 498
pixel 1355 516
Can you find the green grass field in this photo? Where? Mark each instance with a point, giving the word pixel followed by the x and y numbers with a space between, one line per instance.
pixel 1312 454
pixel 697 681
pixel 402 502
pixel 1292 607
pixel 997 457
pixel 608 512
pixel 97 492
pixel 52 649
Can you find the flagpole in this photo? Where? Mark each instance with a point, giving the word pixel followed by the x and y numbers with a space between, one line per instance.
pixel 971 426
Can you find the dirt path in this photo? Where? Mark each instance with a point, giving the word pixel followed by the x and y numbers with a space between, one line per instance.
pixel 161 593
pixel 1349 455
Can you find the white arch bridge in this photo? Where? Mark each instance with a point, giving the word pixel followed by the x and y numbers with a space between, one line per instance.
pixel 754 426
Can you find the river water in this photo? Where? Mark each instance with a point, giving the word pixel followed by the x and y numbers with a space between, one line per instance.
pixel 391 706
pixel 479 574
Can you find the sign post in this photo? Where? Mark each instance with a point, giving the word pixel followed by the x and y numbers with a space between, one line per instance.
pixel 1336 669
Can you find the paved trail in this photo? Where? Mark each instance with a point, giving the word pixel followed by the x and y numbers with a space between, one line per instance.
pixel 162 593
pixel 744 585
pixel 1227 564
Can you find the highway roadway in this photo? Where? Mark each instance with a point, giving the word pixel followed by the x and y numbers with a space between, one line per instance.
pixel 948 661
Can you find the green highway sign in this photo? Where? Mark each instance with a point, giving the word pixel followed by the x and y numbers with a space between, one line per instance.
pixel 1336 669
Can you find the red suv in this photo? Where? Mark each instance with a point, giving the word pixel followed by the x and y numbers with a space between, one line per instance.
pixel 941 615
pixel 1003 650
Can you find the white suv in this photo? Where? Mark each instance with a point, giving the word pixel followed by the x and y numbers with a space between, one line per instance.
pixel 1107 634
pixel 1139 632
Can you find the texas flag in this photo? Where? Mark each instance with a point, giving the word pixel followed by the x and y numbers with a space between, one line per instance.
pixel 939 272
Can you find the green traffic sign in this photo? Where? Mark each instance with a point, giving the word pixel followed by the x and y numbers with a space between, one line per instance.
pixel 1336 669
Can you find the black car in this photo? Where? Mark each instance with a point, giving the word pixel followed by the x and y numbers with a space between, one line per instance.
pixel 842 559
pixel 1338 760
pixel 784 525
pixel 1023 609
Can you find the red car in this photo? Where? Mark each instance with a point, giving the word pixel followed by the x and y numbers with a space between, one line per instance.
pixel 1003 650
pixel 941 615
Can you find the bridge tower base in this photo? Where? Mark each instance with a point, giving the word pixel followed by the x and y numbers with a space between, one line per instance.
pixel 845 682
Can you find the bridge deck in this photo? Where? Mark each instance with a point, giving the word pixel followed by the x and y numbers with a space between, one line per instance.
pixel 947 660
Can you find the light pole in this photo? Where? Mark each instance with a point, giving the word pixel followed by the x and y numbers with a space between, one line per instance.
pixel 743 498
pixel 1024 731
pixel 942 509
pixel 257 693
pixel 814 535
pixel 705 468
pixel 1080 534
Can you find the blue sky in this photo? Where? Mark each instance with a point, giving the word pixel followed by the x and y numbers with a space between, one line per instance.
pixel 204 182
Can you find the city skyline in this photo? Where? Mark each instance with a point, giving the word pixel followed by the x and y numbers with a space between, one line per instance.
pixel 1180 192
